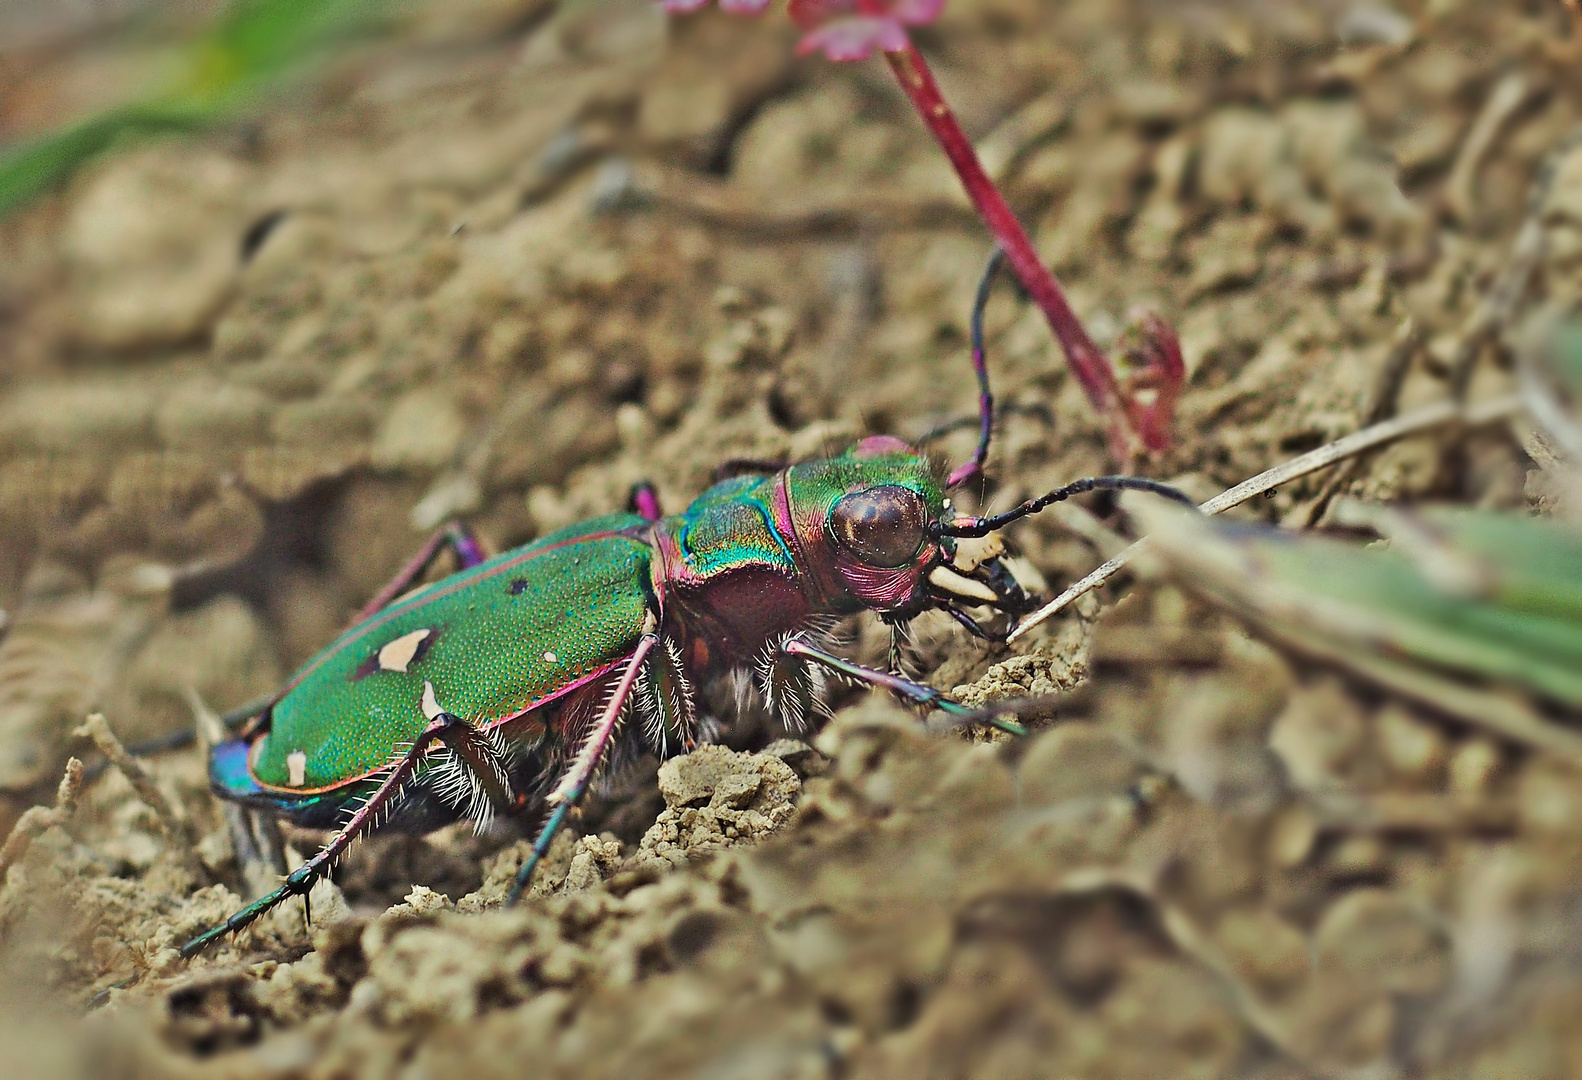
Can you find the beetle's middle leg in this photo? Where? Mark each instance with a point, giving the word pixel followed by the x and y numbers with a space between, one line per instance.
pixel 571 787
pixel 453 536
pixel 481 761
pixel 300 881
pixel 915 692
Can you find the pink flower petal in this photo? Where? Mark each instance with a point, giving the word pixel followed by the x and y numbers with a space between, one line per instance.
pixel 916 12
pixel 854 38
pixel 840 29
pixel 812 14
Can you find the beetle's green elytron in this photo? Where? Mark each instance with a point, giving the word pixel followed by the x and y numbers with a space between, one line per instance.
pixel 505 687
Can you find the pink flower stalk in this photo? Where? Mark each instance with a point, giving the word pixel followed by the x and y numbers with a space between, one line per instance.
pixel 1139 409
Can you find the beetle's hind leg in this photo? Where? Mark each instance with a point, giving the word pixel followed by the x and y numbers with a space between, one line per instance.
pixel 453 536
pixel 300 881
pixel 915 692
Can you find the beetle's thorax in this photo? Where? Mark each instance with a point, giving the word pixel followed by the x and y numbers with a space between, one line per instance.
pixel 727 579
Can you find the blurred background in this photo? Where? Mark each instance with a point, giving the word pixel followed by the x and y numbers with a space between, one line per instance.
pixel 284 285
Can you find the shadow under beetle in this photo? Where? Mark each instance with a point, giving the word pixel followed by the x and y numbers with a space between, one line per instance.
pixel 505 687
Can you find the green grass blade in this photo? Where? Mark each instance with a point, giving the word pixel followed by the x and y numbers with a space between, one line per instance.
pixel 39 164
pixel 254 43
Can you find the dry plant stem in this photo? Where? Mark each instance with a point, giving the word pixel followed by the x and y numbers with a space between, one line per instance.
pixel 1413 423
pixel 1508 96
pixel 1494 310
pixel 39 819
pixel 1386 392
pixel 1193 943
pixel 1089 364
pixel 178 830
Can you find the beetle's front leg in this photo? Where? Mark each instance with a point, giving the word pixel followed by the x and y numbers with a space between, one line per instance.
pixel 915 692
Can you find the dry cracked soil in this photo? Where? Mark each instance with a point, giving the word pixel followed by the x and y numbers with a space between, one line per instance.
pixel 513 257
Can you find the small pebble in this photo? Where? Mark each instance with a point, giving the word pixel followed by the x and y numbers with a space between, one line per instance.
pixel 1473 766
pixel 1291 837
pixel 1413 748
pixel 1358 856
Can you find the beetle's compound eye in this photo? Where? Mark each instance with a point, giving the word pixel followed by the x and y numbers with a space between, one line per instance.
pixel 882 526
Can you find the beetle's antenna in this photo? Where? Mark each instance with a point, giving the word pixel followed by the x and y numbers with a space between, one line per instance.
pixel 983 526
pixel 974 467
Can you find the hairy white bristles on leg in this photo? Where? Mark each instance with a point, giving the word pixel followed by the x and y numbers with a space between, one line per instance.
pixel 456 781
pixel 686 715
pixel 374 779
pixel 588 758
pixel 709 730
pixel 788 686
pixel 740 680
pixel 663 698
pixel 645 699
pixel 589 755
pixel 791 687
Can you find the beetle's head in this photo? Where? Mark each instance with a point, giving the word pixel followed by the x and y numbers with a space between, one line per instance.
pixel 868 526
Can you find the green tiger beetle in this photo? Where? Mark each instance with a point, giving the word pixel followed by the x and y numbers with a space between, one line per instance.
pixel 507 687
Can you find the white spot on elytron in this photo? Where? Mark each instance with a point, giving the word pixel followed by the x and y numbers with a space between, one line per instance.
pixel 396 655
pixel 431 705
pixel 550 658
pixel 296 769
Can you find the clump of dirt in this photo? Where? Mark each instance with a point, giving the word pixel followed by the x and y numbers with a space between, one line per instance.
pixel 506 265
